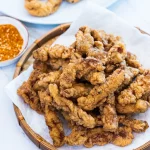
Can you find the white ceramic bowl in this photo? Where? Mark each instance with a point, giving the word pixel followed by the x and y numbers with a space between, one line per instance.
pixel 24 34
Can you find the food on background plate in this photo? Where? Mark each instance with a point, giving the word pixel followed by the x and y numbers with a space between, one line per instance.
pixel 95 85
pixel 11 42
pixel 41 8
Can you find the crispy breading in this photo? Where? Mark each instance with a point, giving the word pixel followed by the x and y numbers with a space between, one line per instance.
pixel 123 136
pixel 117 53
pixel 55 127
pixel 39 65
pixel 41 53
pixel 130 74
pixel 132 60
pixel 108 40
pixel 75 113
pixel 97 136
pixel 84 40
pixel 45 98
pixel 100 92
pixel 80 69
pixel 77 90
pixel 30 96
pixel 139 107
pixel 60 52
pixel 109 118
pixel 134 124
pixel 78 136
pixel 135 91
pixel 95 77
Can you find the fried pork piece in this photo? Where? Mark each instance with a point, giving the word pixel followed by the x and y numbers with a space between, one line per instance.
pixel 95 77
pixel 84 40
pixel 132 60
pixel 108 40
pixel 75 113
pixel 117 53
pixel 60 51
pixel 39 65
pixel 46 78
pixel 30 96
pixel 97 136
pixel 34 76
pixel 146 96
pixel 140 106
pixel 56 64
pixel 81 69
pixel 85 45
pixel 55 52
pixel 100 92
pixel 135 125
pixel 41 53
pixel 136 89
pixel 55 126
pixel 111 99
pixel 109 118
pixel 68 76
pixel 78 136
pixel 77 90
pixel 123 137
pixel 45 98
pixel 130 74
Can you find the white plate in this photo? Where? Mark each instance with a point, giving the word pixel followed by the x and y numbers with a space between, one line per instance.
pixel 66 13
pixel 24 34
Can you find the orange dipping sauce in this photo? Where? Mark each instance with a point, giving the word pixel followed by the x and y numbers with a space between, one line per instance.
pixel 11 42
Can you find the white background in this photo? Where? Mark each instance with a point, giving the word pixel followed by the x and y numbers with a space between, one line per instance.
pixel 135 12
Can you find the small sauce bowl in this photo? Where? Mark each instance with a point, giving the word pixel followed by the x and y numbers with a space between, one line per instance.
pixel 24 34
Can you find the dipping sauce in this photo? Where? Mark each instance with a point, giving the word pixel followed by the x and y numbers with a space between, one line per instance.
pixel 11 42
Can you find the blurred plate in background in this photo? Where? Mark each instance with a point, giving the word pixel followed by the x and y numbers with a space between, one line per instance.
pixel 66 13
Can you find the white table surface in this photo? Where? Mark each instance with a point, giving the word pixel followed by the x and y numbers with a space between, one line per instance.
pixel 12 137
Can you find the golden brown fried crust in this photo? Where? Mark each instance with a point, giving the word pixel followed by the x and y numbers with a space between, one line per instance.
pixel 30 96
pixel 97 136
pixel 123 137
pixel 60 52
pixel 109 118
pixel 55 126
pixel 132 60
pixel 117 53
pixel 139 107
pixel 40 8
pixel 41 53
pixel 135 125
pixel 77 90
pixel 99 93
pixel 135 91
pixel 39 65
pixel 75 113
pixel 78 136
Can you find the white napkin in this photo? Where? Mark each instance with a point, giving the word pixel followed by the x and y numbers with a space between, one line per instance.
pixel 98 18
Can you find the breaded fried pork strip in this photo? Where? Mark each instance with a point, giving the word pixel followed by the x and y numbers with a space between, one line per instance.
pixel 55 127
pixel 75 113
pixel 136 89
pixel 134 124
pixel 123 136
pixel 140 106
pixel 100 92
pixel 109 118
pixel 76 91
pixel 88 137
pixel 30 96
pixel 81 69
